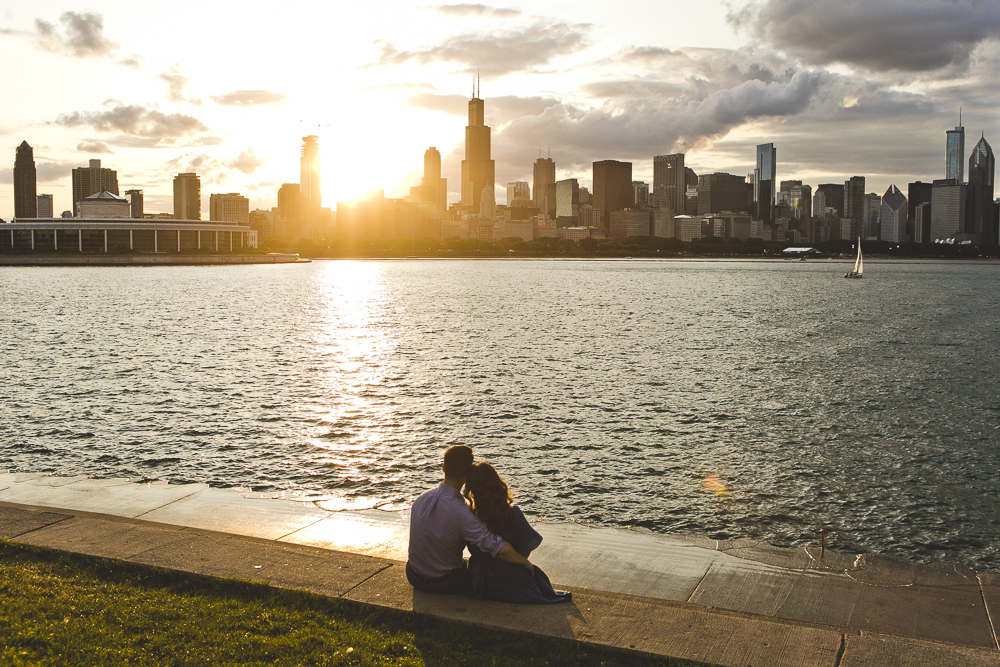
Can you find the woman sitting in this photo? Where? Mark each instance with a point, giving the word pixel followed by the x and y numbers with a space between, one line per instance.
pixel 491 578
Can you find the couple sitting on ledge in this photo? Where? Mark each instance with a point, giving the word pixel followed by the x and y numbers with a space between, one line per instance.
pixel 499 538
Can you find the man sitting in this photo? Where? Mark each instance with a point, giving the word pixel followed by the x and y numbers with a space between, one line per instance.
pixel 441 524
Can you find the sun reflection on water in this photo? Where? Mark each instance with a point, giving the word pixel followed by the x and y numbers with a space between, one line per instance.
pixel 354 410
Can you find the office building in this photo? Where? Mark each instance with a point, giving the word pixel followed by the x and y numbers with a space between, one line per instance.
pixel 720 192
pixel 567 203
pixel 922 223
pixel 433 190
pixel 544 175
pixel 230 207
pixel 669 183
pixel 187 196
pixel 134 198
pixel 980 208
pixel 612 189
pixel 45 207
pixel 25 183
pixel 310 184
pixel 478 168
pixel 892 220
pixel 800 201
pixel 520 192
pixel 870 216
pixel 918 193
pixel 854 204
pixel 955 153
pixel 640 194
pixel 91 180
pixel 764 181
pixel 948 200
pixel 630 222
pixel 833 197
pixel 287 224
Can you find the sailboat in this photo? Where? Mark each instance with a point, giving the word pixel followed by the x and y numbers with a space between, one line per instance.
pixel 859 265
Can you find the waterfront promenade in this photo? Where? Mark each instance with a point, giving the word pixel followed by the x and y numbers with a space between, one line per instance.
pixel 689 597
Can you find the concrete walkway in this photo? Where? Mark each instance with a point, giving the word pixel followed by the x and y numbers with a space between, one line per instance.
pixel 737 603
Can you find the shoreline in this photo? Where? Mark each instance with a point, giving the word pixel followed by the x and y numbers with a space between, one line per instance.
pixel 149 260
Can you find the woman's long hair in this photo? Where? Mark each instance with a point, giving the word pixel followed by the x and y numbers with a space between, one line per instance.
pixel 489 497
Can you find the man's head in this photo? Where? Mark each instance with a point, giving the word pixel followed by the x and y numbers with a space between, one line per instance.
pixel 457 461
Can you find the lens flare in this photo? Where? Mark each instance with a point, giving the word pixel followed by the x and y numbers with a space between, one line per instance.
pixel 714 484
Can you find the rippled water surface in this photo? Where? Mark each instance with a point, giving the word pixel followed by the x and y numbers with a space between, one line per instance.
pixel 734 399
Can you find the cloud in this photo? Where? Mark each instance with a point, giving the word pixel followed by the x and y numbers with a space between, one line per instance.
pixel 499 111
pixel 176 86
pixel 246 98
pixel 45 172
pixel 82 36
pixel 523 48
pixel 137 121
pixel 878 35
pixel 93 147
pixel 248 161
pixel 468 10
pixel 213 170
pixel 645 126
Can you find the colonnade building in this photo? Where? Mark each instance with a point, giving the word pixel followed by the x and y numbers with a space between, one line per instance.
pixel 105 226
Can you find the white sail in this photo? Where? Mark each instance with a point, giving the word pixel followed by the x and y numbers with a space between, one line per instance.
pixel 859 263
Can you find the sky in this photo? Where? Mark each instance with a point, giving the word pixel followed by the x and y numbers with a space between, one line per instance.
pixel 841 87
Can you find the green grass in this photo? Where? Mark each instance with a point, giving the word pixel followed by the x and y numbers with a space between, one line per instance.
pixel 66 609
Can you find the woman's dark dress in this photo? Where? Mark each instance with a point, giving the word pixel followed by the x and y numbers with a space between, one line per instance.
pixel 493 579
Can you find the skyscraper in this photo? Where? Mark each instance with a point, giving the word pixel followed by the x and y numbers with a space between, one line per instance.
pixel 91 180
pixel 25 187
pixel 955 153
pixel 567 203
pixel 854 204
pixel 478 169
pixel 518 191
pixel 612 189
pixel 640 193
pixel 669 182
pixel 948 202
pixel 229 207
pixel 288 211
pixel 544 176
pixel 134 198
pixel 432 178
pixel 833 197
pixel 764 181
pixel 980 210
pixel 187 197
pixel 720 192
pixel 45 207
pixel 893 216
pixel 310 201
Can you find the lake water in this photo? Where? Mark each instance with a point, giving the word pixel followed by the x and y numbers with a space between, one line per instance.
pixel 732 399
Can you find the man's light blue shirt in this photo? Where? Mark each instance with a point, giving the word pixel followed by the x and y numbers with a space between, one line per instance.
pixel 441 524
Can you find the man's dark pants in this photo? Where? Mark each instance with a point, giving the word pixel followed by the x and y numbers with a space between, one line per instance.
pixel 455 582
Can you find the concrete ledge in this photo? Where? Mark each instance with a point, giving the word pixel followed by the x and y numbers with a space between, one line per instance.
pixel 101 259
pixel 680 596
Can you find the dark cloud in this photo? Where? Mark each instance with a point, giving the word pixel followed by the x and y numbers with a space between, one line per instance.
pixel 82 35
pixel 137 121
pixel 467 10
pixel 246 98
pixel 93 147
pixel 497 52
pixel 879 35
pixel 633 126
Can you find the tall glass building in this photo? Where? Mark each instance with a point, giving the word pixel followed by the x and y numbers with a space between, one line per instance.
pixel 955 167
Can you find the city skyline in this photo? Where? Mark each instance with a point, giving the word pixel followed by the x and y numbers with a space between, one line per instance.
pixel 580 81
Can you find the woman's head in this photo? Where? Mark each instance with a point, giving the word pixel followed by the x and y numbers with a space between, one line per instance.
pixel 489 497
